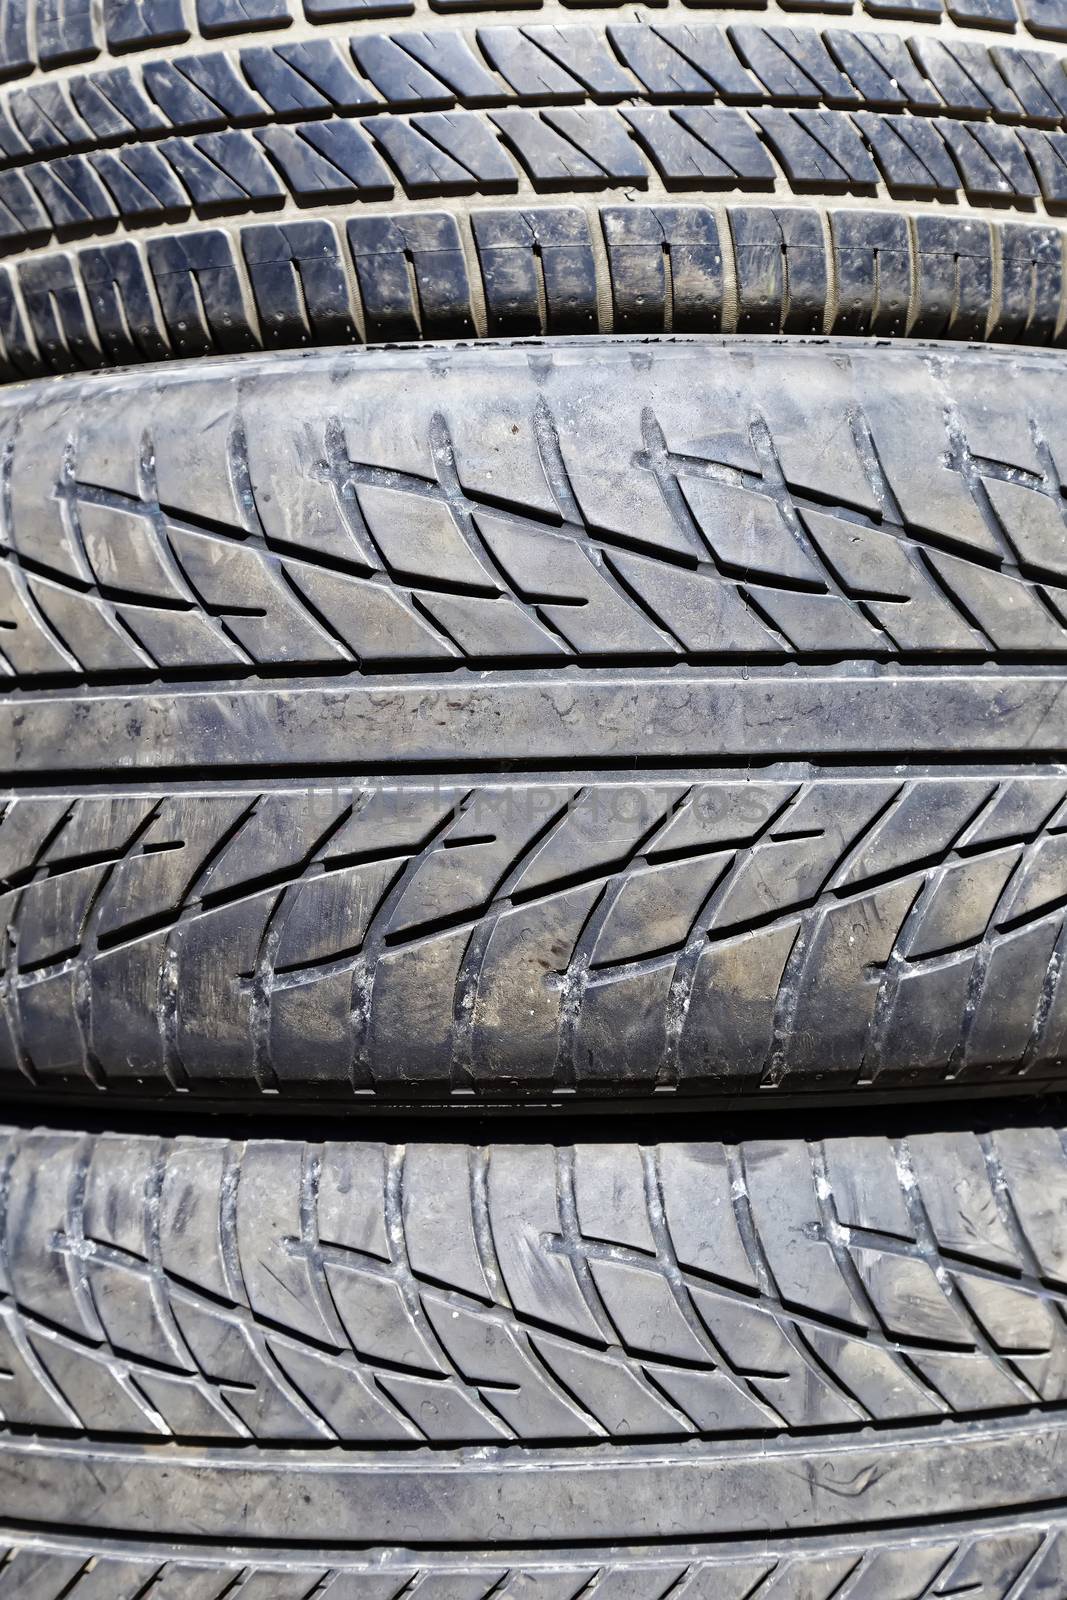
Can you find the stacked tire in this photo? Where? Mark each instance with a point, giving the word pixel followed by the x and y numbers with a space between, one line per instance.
pixel 533 851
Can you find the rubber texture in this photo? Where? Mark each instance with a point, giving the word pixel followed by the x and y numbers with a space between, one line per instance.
pixel 876 1567
pixel 476 170
pixel 497 722
pixel 779 1368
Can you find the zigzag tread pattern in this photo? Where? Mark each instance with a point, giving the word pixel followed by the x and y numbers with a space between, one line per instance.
pixel 389 1297
pixel 49 36
pixel 857 70
pixel 931 136
pixel 719 936
pixel 743 931
pixel 436 113
pixel 930 522
pixel 1024 1561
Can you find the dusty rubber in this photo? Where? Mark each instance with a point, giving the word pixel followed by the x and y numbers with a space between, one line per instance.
pixel 780 1368
pixel 985 1558
pixel 501 722
pixel 180 179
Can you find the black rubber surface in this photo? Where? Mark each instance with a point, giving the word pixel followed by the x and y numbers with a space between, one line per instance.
pixel 496 722
pixel 986 1560
pixel 179 180
pixel 777 1369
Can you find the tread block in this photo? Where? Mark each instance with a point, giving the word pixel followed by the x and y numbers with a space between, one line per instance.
pixel 793 63
pixel 200 293
pixel 133 25
pixel 780 270
pixel 382 251
pixel 298 280
pixel 536 258
pixel 234 16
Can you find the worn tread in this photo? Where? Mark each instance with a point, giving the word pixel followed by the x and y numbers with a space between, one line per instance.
pixel 579 174
pixel 47 38
pixel 385 835
pixel 388 1296
pixel 668 267
pixel 1021 1560
pixel 724 937
pixel 289 537
pixel 440 1305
